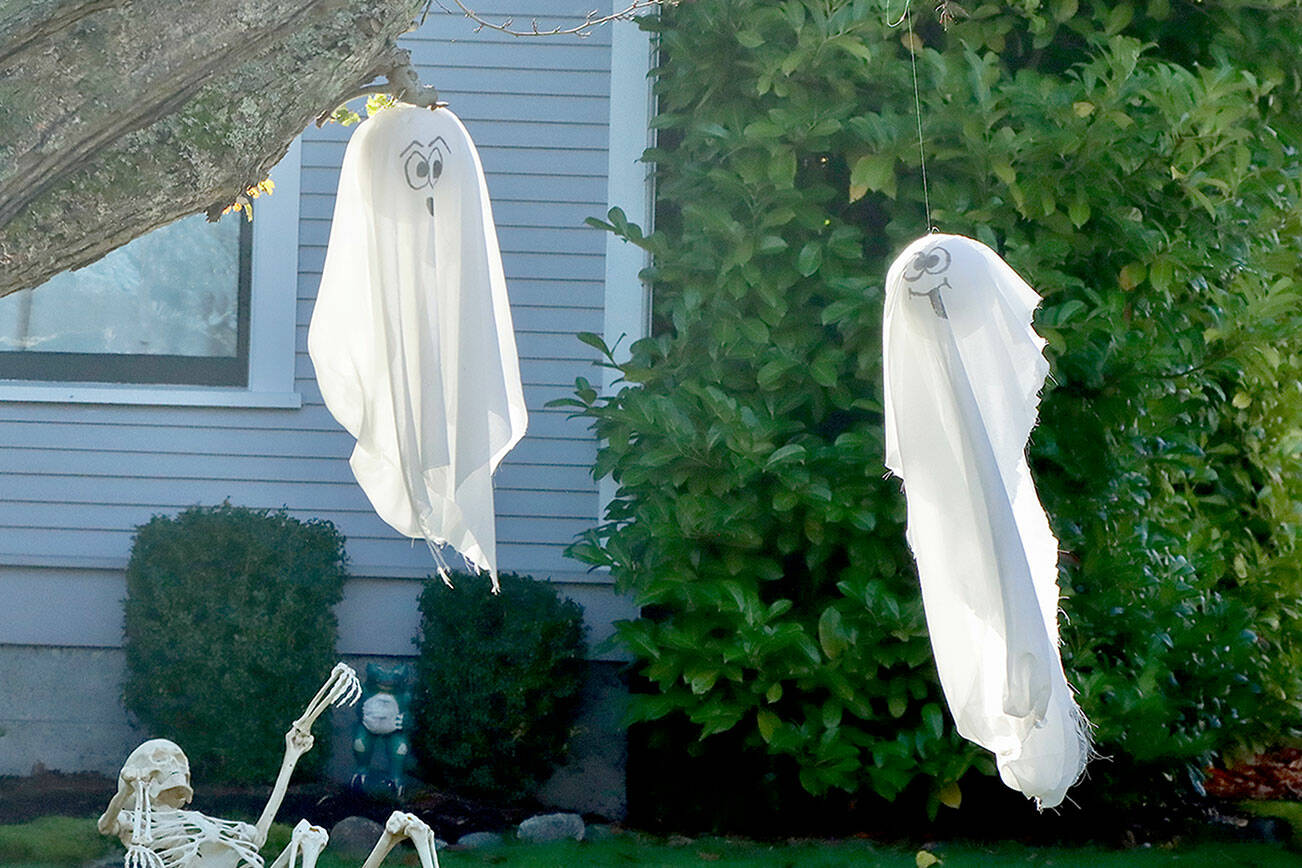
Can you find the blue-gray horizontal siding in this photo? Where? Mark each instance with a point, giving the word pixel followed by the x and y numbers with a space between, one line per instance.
pixel 75 481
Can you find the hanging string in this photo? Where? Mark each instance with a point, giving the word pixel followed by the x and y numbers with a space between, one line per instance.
pixel 907 17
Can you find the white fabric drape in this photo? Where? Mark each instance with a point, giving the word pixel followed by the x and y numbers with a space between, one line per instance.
pixel 411 336
pixel 963 370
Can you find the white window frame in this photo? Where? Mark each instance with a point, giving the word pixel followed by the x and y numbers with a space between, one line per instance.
pixel 630 186
pixel 272 315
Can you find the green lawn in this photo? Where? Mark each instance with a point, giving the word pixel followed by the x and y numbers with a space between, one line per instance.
pixel 731 854
pixel 58 842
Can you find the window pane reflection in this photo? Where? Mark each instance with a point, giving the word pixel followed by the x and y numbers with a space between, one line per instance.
pixel 172 292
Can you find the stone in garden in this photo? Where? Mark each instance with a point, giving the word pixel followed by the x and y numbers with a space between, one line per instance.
pixel 480 840
pixel 551 827
pixel 355 836
pixel 601 832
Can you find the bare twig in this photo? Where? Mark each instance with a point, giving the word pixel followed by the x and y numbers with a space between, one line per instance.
pixel 591 19
pixel 404 84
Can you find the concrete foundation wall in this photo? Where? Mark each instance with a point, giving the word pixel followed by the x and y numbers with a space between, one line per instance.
pixel 61 708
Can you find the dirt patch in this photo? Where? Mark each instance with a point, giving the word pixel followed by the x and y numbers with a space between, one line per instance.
pixel 45 793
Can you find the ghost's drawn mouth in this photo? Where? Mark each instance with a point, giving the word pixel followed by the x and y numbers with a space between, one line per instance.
pixel 429 203
pixel 937 303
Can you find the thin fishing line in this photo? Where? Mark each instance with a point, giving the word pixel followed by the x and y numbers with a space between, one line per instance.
pixel 917 113
pixel 907 17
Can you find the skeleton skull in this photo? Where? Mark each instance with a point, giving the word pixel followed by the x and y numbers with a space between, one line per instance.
pixel 160 768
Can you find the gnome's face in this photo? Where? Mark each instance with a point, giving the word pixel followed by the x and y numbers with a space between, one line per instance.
pixel 423 166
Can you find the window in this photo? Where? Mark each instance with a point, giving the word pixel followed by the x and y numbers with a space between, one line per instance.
pixel 170 307
pixel 194 313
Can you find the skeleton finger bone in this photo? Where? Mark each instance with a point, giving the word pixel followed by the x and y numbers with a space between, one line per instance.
pixel 341 688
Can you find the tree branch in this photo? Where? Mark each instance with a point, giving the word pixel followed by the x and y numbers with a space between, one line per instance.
pixel 403 83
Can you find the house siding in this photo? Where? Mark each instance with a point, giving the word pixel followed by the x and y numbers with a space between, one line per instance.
pixel 76 479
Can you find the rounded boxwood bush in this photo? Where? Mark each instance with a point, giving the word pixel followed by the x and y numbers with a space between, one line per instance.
pixel 497 683
pixel 230 630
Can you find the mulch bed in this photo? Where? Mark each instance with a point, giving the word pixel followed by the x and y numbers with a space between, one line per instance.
pixel 1276 774
pixel 86 795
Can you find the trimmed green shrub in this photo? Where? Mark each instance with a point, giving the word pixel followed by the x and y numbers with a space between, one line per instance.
pixel 1138 163
pixel 497 683
pixel 230 630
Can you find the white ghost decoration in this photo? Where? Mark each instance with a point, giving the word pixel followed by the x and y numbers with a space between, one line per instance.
pixel 411 336
pixel 963 370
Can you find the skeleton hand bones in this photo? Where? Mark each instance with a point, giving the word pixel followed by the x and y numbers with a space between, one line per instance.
pixel 341 688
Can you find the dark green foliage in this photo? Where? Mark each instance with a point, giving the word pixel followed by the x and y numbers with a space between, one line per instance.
pixel 497 683
pixel 1138 164
pixel 230 631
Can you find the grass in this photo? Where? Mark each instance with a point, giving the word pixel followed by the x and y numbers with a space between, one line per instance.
pixel 1289 812
pixel 61 842
pixel 735 854
pixel 54 840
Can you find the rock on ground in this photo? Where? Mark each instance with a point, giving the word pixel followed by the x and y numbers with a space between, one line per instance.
pixel 479 840
pixel 551 827
pixel 355 836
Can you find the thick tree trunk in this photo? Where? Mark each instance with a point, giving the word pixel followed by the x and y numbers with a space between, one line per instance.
pixel 119 116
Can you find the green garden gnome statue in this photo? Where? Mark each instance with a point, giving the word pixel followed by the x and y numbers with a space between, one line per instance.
pixel 381 725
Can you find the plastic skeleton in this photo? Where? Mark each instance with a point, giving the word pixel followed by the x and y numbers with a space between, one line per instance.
pixel 148 811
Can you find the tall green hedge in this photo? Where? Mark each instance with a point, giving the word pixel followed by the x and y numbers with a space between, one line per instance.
pixel 1138 164
pixel 230 630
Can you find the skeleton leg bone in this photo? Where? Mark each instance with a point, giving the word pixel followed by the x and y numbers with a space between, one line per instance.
pixel 402 825
pixel 308 841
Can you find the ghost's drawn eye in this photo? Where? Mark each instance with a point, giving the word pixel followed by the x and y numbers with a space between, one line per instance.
pixel 435 166
pixel 932 261
pixel 418 171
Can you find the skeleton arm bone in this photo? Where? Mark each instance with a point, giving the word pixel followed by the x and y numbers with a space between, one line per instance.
pixel 296 744
pixel 109 824
pixel 341 688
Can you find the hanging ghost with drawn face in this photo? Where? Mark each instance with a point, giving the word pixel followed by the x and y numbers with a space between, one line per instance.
pixel 963 370
pixel 411 337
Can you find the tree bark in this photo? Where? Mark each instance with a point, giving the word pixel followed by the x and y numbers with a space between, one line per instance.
pixel 120 116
